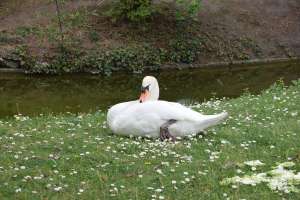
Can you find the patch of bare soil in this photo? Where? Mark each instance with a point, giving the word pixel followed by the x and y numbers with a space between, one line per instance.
pixel 273 24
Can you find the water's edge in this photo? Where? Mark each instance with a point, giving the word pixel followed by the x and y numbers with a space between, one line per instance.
pixel 231 64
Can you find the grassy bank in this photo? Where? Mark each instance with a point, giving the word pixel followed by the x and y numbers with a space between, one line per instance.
pixel 77 157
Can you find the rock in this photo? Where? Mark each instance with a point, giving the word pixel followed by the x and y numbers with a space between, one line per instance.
pixel 8 63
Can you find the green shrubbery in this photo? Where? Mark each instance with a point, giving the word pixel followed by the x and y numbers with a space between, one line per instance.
pixel 132 59
pixel 139 10
pixel 185 51
pixel 134 10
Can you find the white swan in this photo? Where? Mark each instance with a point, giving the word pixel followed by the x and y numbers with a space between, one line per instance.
pixel 151 117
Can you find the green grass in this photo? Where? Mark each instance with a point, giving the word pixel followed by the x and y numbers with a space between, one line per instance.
pixel 77 157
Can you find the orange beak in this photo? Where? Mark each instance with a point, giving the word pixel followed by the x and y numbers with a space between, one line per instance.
pixel 144 96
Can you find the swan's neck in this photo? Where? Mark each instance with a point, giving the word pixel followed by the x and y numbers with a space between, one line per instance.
pixel 154 93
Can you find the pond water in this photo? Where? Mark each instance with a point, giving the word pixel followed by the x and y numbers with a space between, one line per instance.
pixel 33 95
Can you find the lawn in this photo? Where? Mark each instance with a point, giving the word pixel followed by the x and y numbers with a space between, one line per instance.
pixel 76 156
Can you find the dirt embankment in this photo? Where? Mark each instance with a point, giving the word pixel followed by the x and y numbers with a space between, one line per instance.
pixel 231 29
pixel 273 24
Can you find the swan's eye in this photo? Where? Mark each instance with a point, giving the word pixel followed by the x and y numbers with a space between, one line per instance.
pixel 143 89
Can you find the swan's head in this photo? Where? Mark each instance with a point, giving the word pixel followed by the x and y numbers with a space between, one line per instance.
pixel 149 90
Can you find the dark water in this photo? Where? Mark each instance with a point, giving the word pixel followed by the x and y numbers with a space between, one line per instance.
pixel 32 95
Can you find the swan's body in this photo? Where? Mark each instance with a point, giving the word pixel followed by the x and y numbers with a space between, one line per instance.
pixel 147 118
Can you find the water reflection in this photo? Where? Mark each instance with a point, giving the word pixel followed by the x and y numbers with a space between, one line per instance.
pixel 32 95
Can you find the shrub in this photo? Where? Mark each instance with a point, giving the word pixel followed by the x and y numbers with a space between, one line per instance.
pixel 139 10
pixel 187 8
pixel 132 59
pixel 134 10
pixel 185 51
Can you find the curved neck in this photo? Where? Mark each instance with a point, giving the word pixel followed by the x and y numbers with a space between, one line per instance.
pixel 154 93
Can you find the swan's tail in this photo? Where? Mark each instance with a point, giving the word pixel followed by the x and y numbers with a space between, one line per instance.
pixel 212 120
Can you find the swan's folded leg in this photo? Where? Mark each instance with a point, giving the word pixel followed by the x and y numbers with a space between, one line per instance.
pixel 164 131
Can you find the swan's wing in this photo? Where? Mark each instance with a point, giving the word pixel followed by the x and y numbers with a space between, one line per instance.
pixel 121 106
pixel 118 109
pixel 186 113
pixel 163 110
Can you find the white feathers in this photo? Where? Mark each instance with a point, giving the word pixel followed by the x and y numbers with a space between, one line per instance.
pixel 145 119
